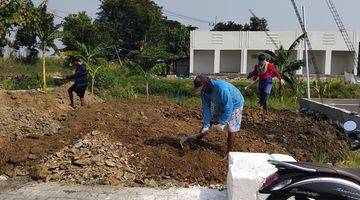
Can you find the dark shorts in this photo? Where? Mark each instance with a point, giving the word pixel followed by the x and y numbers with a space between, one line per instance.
pixel 79 90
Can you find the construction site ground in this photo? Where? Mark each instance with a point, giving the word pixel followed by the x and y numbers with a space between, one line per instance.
pixel 135 142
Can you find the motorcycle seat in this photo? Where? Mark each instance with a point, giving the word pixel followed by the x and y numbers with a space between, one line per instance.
pixel 351 173
pixel 323 168
pixel 330 169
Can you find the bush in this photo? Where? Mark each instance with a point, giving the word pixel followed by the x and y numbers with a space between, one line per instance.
pixel 25 82
pixel 126 92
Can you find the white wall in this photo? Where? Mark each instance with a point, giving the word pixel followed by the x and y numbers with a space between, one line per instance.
pixel 230 61
pixel 204 61
pixel 323 44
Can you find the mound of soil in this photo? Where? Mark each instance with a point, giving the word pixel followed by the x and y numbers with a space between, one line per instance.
pixel 136 142
pixel 30 113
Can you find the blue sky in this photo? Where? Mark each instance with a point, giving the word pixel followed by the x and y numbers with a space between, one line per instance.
pixel 279 13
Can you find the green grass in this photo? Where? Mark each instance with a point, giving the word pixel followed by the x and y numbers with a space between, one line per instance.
pixel 350 158
pixel 15 67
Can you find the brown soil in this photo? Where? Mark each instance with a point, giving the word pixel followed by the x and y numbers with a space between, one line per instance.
pixel 136 142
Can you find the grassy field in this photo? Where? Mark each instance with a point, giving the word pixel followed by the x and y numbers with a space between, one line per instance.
pixel 114 82
pixel 15 67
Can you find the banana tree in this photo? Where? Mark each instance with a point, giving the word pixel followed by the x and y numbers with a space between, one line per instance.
pixel 146 74
pixel 282 58
pixel 47 32
pixel 46 42
pixel 92 58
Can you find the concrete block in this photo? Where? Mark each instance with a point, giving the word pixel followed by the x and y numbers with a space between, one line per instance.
pixel 247 171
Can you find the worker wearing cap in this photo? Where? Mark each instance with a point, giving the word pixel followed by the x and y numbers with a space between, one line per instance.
pixel 228 103
pixel 81 81
pixel 265 71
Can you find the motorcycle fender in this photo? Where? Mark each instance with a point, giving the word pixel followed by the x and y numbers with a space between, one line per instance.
pixel 323 187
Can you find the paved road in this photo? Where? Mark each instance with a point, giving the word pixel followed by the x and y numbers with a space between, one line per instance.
pixel 61 192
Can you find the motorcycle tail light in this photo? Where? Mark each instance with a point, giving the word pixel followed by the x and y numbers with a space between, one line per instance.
pixel 269 180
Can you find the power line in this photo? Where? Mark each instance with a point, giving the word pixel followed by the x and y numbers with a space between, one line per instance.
pixel 174 14
pixel 54 13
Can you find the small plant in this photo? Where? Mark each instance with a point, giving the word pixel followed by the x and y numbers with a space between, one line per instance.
pixel 350 158
pixel 91 57
pixel 146 74
pixel 126 92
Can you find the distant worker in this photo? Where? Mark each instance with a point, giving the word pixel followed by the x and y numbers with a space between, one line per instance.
pixel 81 82
pixel 265 71
pixel 228 103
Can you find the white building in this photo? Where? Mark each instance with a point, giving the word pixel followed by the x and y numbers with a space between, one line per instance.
pixel 231 52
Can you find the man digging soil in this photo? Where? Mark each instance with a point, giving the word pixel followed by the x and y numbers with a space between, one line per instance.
pixel 228 103
pixel 81 82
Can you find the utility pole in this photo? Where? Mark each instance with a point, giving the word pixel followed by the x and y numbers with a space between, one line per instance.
pixel 306 55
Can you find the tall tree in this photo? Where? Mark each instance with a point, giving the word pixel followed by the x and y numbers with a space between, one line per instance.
pixel 256 24
pixel 130 23
pixel 26 35
pixel 177 39
pixel 78 27
pixel 228 26
pixel 47 33
pixel 12 14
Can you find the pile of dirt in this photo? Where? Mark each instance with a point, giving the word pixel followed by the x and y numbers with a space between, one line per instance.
pixel 136 142
pixel 30 113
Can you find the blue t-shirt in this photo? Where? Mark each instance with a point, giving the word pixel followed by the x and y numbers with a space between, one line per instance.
pixel 226 98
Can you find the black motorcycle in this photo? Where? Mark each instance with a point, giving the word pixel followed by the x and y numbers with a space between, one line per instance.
pixel 304 181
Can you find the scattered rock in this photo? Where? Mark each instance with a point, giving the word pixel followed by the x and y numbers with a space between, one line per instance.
pixel 313 131
pixel 3 178
pixel 270 137
pixel 81 162
pixel 110 163
pixel 39 173
pixel 151 183
pixel 95 133
pixel 21 171
pixel 32 157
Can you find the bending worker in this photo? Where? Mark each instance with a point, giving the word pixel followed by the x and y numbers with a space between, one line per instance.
pixel 228 103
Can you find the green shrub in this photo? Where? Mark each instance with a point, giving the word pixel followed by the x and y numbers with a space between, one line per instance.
pixel 126 92
pixel 7 84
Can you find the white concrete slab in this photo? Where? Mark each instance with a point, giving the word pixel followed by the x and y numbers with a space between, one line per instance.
pixel 247 171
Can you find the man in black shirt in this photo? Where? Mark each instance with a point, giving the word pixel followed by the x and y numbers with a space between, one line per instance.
pixel 81 82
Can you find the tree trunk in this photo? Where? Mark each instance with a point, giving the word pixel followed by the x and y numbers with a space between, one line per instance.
pixel 43 70
pixel 281 93
pixel 147 90
pixel 92 84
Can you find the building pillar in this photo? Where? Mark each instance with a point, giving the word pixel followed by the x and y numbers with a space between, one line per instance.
pixel 217 61
pixel 328 62
pixel 300 56
pixel 192 57
pixel 356 64
pixel 243 69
